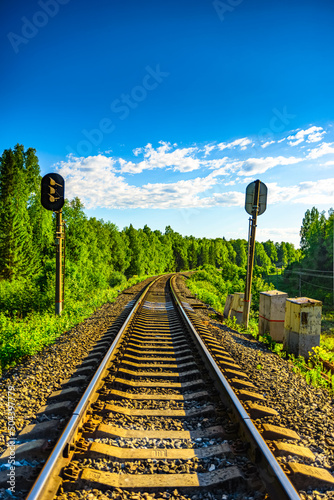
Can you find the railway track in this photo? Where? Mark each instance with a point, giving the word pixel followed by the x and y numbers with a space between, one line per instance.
pixel 159 415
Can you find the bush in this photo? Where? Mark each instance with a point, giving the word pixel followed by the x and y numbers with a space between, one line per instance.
pixel 116 279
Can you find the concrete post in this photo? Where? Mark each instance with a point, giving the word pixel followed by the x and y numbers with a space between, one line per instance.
pixel 228 305
pixel 302 325
pixel 272 314
pixel 237 306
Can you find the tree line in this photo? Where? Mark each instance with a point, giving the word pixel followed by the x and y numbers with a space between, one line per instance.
pixel 312 276
pixel 98 254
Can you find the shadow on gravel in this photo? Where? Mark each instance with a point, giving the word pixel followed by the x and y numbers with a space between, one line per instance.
pixel 251 342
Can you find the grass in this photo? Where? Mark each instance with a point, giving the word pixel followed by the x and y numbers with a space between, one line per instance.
pixel 312 370
pixel 327 336
pixel 24 337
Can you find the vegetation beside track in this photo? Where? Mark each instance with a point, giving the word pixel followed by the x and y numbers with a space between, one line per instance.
pixel 213 285
pixel 26 336
pixel 212 289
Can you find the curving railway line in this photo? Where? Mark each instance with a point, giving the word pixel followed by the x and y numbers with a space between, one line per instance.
pixel 168 409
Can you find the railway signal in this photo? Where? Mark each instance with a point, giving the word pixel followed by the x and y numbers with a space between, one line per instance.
pixel 53 198
pixel 52 192
pixel 255 204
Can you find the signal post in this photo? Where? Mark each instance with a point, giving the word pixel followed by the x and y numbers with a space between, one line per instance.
pixel 60 255
pixel 256 204
pixel 52 198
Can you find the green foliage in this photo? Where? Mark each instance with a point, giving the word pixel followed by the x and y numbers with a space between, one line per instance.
pixel 116 279
pixel 23 227
pixel 213 285
pixel 313 371
pixel 25 337
pixel 309 271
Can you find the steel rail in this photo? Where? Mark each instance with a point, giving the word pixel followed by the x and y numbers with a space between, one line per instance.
pixel 278 485
pixel 46 480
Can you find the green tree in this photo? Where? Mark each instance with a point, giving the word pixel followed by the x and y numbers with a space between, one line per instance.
pixel 18 176
pixel 240 247
pixel 313 228
pixel 221 252
pixel 261 259
pixel 271 251
pixel 136 253
pixel 282 254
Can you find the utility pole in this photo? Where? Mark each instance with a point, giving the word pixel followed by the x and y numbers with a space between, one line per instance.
pixel 256 204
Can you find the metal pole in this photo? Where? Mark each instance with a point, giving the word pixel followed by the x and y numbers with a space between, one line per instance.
pixel 59 263
pixel 245 315
pixel 248 251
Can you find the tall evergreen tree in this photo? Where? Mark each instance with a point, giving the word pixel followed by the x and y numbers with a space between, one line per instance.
pixel 17 255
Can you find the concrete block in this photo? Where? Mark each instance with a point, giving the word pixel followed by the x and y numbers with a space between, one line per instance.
pixel 96 479
pixel 122 454
pixel 64 394
pixel 227 308
pixel 292 449
pixel 275 432
pixel 41 430
pixel 306 476
pixel 62 408
pixel 272 314
pixel 302 325
pixel 259 411
pixel 33 450
pixel 109 431
pixel 237 306
pixel 24 478
pixel 249 395
pixel 241 383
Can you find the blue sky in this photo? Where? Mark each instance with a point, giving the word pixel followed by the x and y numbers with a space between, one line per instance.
pixel 161 113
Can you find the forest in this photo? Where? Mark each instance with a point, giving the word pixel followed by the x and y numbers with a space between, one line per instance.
pixel 101 258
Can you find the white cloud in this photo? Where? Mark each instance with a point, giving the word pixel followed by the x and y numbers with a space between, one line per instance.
pixel 254 166
pixel 228 168
pixel 96 183
pixel 324 149
pixel 320 192
pixel 208 149
pixel 214 164
pixel 280 194
pixel 245 180
pixel 313 134
pixel 91 163
pixel 243 143
pixel 315 137
pixel 266 144
pixel 316 192
pixel 180 159
pixel 229 199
